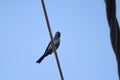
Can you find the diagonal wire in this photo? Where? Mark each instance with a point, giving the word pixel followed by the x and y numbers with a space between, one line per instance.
pixel 50 33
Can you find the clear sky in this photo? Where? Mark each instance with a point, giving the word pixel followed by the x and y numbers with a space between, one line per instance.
pixel 85 51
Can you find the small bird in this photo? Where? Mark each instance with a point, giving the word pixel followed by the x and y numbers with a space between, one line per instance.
pixel 49 49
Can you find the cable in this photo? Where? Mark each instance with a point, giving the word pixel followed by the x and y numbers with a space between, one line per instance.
pixel 50 33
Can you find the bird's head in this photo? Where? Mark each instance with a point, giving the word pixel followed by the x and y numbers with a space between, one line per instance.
pixel 57 34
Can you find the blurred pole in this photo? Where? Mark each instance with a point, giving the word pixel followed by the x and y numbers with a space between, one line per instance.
pixel 53 45
pixel 114 29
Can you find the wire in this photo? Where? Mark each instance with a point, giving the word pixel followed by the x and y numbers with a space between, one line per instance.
pixel 53 45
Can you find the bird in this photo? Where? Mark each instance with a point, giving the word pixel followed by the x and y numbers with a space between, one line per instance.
pixel 49 49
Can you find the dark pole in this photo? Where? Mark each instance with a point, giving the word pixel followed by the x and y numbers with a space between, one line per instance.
pixel 114 29
pixel 50 33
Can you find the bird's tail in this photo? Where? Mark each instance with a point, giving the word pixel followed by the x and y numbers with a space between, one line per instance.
pixel 40 59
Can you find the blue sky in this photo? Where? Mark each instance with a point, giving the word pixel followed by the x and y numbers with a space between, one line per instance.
pixel 85 52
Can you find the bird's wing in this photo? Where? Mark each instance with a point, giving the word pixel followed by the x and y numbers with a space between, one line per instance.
pixel 48 46
pixel 48 49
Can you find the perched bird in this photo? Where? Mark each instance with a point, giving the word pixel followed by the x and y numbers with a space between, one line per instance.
pixel 49 49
